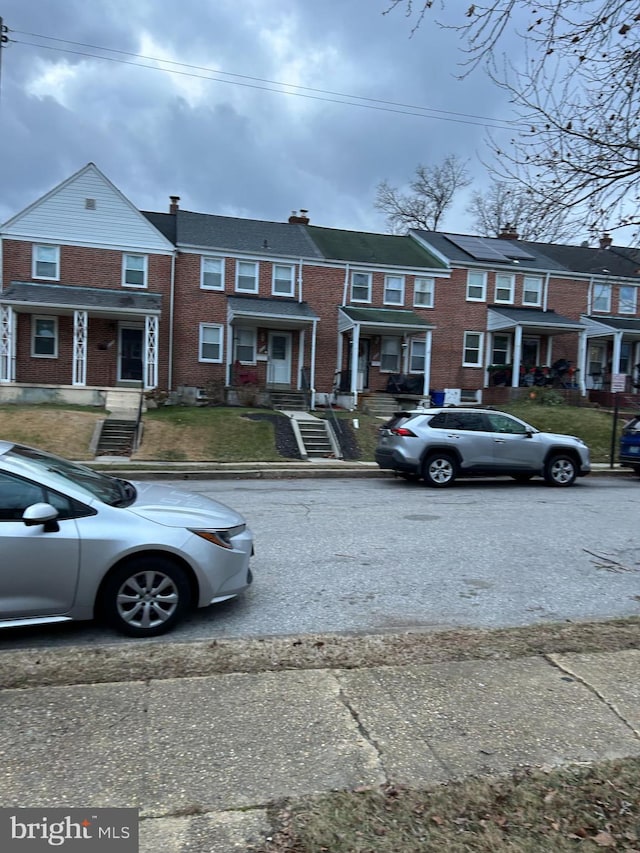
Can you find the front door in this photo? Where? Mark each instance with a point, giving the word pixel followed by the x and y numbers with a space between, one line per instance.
pixel 279 358
pixel 130 362
pixel 364 347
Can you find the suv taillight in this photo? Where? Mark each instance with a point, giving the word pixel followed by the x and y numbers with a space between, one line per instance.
pixel 403 431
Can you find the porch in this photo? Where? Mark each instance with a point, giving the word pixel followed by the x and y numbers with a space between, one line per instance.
pixel 88 339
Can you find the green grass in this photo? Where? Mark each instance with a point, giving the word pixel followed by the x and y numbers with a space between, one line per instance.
pixel 220 434
pixel 593 426
pixel 226 434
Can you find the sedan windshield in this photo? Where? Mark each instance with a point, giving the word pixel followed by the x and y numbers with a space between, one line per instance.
pixel 33 463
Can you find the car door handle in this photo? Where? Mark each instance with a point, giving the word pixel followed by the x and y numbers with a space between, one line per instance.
pixel 499 440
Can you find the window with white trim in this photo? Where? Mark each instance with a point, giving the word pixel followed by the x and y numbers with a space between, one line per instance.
pixel 244 344
pixel 472 349
pixel 627 299
pixel 394 290
pixel 476 286
pixel 212 274
pixel 501 350
pixel 134 270
pixel 361 287
pixel 283 283
pixel 532 290
pixel 390 355
pixel 247 276
pixel 602 297
pixel 45 262
pixel 417 356
pixel 44 337
pixel 210 346
pixel 505 287
pixel 423 292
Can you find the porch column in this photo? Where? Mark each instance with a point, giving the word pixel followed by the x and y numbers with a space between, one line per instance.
pixel 151 352
pixel 488 351
pixel 337 379
pixel 427 363
pixel 617 349
pixel 355 345
pixel 80 321
pixel 517 356
pixel 301 343
pixel 583 342
pixel 7 344
pixel 312 365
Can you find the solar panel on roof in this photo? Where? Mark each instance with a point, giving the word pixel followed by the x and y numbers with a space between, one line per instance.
pixel 478 248
pixel 509 248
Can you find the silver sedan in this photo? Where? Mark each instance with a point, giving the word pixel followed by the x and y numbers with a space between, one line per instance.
pixel 76 544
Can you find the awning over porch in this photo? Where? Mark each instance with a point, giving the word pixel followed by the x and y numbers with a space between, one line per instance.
pixel 382 321
pixel 357 323
pixel 274 313
pixel 524 322
pixel 629 327
pixel 81 303
pixel 65 299
pixel 533 321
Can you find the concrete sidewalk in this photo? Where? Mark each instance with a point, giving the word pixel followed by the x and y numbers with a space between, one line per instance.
pixel 203 757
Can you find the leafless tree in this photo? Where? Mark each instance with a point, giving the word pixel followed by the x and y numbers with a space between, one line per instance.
pixel 577 92
pixel 432 191
pixel 505 205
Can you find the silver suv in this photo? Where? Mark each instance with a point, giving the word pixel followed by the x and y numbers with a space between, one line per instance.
pixel 438 445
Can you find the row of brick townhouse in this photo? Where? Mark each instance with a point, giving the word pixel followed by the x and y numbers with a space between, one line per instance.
pixel 97 295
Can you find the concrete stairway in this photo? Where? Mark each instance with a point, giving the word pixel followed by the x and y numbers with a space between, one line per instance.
pixel 315 438
pixel 379 405
pixel 292 401
pixel 117 438
pixel 118 433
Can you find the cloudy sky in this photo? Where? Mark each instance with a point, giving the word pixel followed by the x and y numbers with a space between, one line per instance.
pixel 247 108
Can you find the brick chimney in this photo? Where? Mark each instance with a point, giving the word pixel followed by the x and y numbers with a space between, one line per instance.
pixel 605 241
pixel 301 219
pixel 174 205
pixel 508 232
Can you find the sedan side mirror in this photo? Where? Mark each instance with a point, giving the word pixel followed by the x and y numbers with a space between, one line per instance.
pixel 41 513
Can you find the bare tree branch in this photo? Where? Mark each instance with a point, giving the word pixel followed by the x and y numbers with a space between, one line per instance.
pixel 577 92
pixel 433 190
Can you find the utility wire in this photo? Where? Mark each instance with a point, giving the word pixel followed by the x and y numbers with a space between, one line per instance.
pixel 368 103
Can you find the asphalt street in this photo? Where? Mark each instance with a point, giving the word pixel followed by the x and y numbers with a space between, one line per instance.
pixel 371 555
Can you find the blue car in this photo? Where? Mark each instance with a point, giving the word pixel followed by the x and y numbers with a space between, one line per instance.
pixel 630 445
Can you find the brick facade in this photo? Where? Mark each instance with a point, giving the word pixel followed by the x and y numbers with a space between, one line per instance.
pixel 320 286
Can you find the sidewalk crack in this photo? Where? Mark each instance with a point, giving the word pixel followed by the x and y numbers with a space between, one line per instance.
pixel 611 705
pixel 364 732
pixel 369 738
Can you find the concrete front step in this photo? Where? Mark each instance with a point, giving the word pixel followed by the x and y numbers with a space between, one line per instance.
pixel 123 403
pixel 117 438
pixel 315 439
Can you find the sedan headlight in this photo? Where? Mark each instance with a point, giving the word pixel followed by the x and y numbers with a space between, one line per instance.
pixel 222 538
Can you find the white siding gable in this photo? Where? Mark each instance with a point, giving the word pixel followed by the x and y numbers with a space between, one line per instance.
pixel 87 210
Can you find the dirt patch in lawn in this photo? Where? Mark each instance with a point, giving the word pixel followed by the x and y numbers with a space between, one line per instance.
pixel 67 433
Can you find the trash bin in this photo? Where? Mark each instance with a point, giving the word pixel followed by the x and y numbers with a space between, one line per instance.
pixel 437 398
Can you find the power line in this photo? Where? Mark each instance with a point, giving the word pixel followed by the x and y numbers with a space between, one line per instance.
pixel 354 100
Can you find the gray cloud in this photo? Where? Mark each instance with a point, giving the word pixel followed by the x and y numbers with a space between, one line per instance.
pixel 225 147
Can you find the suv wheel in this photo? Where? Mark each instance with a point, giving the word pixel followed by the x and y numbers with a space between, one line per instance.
pixel 560 470
pixel 439 470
